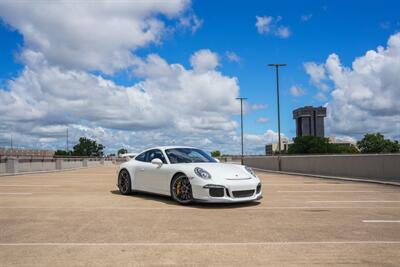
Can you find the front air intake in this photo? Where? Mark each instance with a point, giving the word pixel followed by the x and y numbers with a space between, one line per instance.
pixel 243 193
pixel 216 192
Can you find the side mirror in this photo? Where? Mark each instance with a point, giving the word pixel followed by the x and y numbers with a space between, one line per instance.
pixel 157 161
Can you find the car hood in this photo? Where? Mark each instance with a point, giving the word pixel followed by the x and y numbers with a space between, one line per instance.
pixel 222 170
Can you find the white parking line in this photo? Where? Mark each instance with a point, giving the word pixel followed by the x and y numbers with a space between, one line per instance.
pixel 326 191
pixel 15 193
pixel 201 243
pixel 27 185
pixel 198 209
pixel 353 201
pixel 334 184
pixel 381 221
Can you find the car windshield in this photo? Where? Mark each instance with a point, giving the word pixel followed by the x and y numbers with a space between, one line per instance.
pixel 187 155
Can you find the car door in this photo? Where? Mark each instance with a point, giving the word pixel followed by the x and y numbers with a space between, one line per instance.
pixel 155 176
pixel 139 177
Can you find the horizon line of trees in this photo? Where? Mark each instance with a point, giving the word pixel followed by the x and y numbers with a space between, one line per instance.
pixel 370 143
pixel 86 147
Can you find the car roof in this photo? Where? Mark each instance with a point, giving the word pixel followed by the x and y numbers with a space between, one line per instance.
pixel 164 148
pixel 170 147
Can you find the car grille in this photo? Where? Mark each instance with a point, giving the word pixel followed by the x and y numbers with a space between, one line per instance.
pixel 216 192
pixel 243 193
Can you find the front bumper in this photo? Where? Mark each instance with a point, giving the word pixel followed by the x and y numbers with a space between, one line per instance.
pixel 233 191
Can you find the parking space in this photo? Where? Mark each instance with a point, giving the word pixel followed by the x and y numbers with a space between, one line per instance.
pixel 78 218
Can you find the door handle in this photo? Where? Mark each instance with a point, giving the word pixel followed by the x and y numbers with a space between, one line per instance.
pixel 142 169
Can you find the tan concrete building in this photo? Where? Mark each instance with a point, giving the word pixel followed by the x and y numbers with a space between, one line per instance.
pixel 271 149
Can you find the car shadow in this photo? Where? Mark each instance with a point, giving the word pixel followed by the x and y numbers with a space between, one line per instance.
pixel 195 205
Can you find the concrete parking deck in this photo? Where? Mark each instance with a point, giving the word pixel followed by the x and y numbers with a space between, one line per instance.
pixel 77 218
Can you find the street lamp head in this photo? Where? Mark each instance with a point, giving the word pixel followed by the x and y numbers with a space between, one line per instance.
pixel 239 98
pixel 277 65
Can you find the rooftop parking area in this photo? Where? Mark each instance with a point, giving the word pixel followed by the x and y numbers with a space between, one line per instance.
pixel 78 217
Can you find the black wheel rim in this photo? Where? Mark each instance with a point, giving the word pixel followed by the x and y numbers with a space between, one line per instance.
pixel 182 189
pixel 123 182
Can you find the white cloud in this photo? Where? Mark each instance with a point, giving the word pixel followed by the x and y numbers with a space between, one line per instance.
pixel 191 22
pixel 263 24
pixel 262 120
pixel 297 91
pixel 283 32
pixel 90 36
pixel 232 56
pixel 170 103
pixel 204 60
pixel 271 25
pixel 317 74
pixel 161 99
pixel 320 96
pixel 255 144
pixel 306 17
pixel 366 96
pixel 57 88
pixel 258 106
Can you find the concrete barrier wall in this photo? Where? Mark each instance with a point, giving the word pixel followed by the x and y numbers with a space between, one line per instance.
pixel 15 165
pixel 36 165
pixel 2 167
pixel 71 163
pixel 385 167
pixel 262 162
pixel 93 163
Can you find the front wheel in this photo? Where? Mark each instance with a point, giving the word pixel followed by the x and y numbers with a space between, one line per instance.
pixel 124 182
pixel 181 189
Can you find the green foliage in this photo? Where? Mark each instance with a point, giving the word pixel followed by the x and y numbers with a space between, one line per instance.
pixel 310 145
pixel 318 145
pixel 376 143
pixel 88 147
pixel 122 151
pixel 352 149
pixel 62 153
pixel 215 153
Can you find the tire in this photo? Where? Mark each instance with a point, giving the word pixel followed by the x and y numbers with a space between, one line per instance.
pixel 181 189
pixel 124 182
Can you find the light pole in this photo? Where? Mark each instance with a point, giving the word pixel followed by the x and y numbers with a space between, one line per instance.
pixel 241 123
pixel 67 141
pixel 277 93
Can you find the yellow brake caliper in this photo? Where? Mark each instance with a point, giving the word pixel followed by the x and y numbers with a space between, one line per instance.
pixel 178 188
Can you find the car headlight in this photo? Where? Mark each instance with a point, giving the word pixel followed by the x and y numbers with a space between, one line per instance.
pixel 250 170
pixel 202 173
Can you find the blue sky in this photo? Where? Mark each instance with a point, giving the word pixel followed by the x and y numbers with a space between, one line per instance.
pixel 316 30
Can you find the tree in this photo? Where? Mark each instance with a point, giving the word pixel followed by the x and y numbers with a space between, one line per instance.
pixel 122 151
pixel 88 147
pixel 319 145
pixel 352 149
pixel 215 153
pixel 376 143
pixel 62 153
pixel 312 145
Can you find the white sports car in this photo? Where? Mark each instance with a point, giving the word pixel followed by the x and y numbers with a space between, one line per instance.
pixel 188 174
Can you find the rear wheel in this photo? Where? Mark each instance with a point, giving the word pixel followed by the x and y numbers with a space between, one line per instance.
pixel 181 189
pixel 124 182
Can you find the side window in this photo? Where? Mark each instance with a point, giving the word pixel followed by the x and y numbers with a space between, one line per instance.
pixel 155 154
pixel 141 157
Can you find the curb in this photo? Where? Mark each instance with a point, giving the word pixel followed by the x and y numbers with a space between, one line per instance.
pixel 332 177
